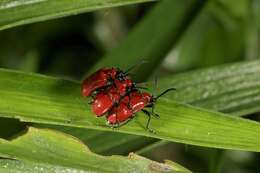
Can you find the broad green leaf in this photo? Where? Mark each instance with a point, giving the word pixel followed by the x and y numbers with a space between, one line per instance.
pixel 43 150
pixel 17 12
pixel 232 88
pixel 48 100
pixel 154 36
pixel 95 139
pixel 14 166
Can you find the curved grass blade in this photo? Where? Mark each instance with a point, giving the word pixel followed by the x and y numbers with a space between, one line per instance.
pixel 95 140
pixel 48 100
pixel 17 12
pixel 50 151
pixel 242 101
pixel 11 166
pixel 232 88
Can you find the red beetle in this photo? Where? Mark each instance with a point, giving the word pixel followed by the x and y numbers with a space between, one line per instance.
pixel 99 79
pixel 106 99
pixel 124 86
pixel 129 105
pixel 102 78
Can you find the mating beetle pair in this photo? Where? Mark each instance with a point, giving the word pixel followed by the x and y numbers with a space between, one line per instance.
pixel 117 96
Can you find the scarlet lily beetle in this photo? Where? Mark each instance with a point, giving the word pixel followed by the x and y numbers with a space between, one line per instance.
pixel 106 77
pixel 106 99
pixel 99 79
pixel 129 105
pixel 115 95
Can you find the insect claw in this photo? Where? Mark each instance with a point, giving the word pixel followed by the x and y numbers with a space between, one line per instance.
pixel 156 115
pixel 151 131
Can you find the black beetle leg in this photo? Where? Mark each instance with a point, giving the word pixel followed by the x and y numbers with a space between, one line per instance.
pixel 155 114
pixel 148 121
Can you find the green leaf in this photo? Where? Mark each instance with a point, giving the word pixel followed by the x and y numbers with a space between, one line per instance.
pixel 154 36
pixel 17 12
pixel 43 150
pixel 13 166
pixel 229 88
pixel 43 99
pixel 232 88
pixel 95 139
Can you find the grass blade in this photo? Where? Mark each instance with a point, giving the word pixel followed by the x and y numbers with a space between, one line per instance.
pixel 59 102
pixel 95 140
pixel 16 12
pixel 46 150
pixel 232 88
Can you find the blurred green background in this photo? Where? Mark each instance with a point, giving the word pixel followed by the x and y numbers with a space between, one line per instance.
pixel 223 32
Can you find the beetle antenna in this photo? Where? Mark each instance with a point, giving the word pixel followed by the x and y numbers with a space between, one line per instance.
pixel 135 65
pixel 155 87
pixel 164 92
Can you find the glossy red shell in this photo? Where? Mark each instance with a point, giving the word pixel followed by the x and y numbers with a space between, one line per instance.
pixel 97 80
pixel 123 85
pixel 104 101
pixel 120 114
pixel 128 106
pixel 139 100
